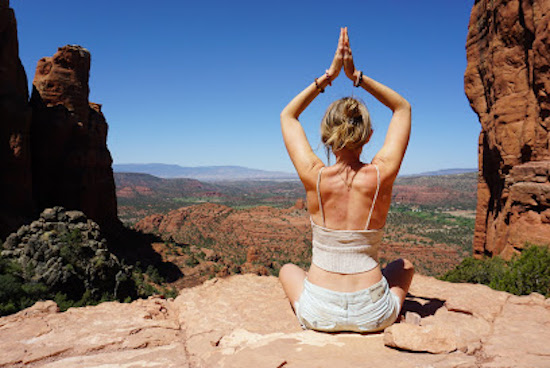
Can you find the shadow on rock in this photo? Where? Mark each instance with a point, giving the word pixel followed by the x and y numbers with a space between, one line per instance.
pixel 423 306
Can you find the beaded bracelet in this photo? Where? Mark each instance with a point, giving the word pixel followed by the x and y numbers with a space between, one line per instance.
pixel 321 90
pixel 359 79
pixel 328 77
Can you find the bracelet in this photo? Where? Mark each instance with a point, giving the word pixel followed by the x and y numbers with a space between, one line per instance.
pixel 321 90
pixel 328 77
pixel 359 79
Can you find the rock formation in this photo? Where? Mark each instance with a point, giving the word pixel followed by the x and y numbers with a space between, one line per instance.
pixel 53 151
pixel 507 82
pixel 246 321
pixel 15 122
pixel 71 162
pixel 66 252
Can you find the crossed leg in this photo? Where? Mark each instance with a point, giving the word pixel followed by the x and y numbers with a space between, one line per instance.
pixel 399 274
pixel 292 278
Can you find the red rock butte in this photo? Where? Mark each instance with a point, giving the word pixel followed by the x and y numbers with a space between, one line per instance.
pixel 507 82
pixel 53 149
pixel 71 162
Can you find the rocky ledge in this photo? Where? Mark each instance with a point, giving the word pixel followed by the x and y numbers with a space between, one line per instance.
pixel 245 321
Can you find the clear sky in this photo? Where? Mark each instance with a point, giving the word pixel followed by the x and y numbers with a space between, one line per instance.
pixel 200 83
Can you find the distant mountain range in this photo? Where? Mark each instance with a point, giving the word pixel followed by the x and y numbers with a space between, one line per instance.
pixel 229 173
pixel 206 173
pixel 444 172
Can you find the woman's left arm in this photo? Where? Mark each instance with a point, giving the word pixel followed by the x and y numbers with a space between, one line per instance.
pixel 297 145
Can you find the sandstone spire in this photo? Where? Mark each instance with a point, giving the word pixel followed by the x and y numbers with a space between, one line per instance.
pixel 71 162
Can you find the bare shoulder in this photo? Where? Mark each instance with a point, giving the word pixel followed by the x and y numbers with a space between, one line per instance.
pixel 387 172
pixel 309 177
pixel 366 177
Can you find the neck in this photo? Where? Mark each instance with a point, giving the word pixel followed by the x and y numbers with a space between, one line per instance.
pixel 348 157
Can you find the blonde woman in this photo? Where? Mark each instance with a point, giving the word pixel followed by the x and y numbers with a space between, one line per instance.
pixel 345 288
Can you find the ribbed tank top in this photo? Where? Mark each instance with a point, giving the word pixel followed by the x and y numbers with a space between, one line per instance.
pixel 346 251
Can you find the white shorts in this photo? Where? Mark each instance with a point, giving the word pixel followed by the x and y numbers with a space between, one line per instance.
pixel 368 310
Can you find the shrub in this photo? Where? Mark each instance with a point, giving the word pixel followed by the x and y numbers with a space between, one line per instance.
pixel 522 275
pixel 154 274
pixel 15 293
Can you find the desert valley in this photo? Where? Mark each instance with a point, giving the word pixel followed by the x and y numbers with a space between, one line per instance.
pixel 227 227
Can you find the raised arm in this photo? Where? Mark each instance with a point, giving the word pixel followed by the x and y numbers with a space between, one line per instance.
pixel 297 145
pixel 392 152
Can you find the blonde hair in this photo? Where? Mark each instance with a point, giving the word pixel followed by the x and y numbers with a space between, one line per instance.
pixel 346 124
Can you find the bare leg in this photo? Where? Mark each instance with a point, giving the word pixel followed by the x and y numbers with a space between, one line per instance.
pixel 292 278
pixel 399 274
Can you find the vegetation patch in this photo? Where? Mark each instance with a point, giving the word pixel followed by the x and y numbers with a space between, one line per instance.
pixel 522 275
pixel 62 256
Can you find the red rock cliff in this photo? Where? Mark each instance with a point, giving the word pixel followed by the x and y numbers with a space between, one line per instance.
pixel 15 120
pixel 507 82
pixel 71 162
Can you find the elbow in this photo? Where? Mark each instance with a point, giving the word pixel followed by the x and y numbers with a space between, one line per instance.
pixel 405 105
pixel 286 114
pixel 286 118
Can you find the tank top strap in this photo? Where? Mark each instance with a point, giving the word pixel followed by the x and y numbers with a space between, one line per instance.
pixel 319 195
pixel 374 198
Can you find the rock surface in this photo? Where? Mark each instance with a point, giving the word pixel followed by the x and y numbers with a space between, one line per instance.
pixel 246 321
pixel 507 82
pixel 71 162
pixel 15 123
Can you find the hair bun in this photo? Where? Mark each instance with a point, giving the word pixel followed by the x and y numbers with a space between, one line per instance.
pixel 346 124
pixel 356 120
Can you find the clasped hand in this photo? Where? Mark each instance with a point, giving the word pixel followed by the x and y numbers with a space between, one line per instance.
pixel 343 57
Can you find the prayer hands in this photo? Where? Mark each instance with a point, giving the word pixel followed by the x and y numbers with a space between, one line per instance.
pixel 338 60
pixel 349 67
pixel 343 58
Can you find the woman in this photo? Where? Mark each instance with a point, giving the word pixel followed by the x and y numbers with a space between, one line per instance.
pixel 345 288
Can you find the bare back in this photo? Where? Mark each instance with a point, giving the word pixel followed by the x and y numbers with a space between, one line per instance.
pixel 348 208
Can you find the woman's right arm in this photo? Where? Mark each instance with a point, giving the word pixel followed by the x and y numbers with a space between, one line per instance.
pixel 304 159
pixel 392 152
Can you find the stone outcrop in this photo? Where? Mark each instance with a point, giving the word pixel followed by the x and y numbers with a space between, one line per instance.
pixel 15 122
pixel 66 252
pixel 507 82
pixel 246 321
pixel 71 162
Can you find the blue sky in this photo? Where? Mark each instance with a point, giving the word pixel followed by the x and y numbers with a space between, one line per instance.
pixel 203 83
